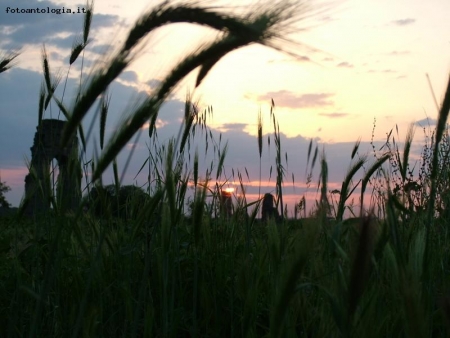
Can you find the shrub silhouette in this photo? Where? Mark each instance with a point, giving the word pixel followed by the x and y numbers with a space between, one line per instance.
pixel 122 203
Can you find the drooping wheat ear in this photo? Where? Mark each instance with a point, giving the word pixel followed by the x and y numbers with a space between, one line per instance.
pixel 222 155
pixel 51 82
pixel 46 69
pixel 406 150
pixel 261 26
pixel 324 204
pixel 162 15
pixel 77 48
pixel 344 193
pixel 260 131
pixel 87 21
pixel 190 112
pixel 150 107
pixel 7 61
pixel 378 163
pixel 104 107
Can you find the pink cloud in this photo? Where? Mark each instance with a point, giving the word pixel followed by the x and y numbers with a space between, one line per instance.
pixel 287 99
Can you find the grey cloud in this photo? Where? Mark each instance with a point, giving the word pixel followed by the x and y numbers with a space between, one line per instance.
pixel 233 126
pixel 19 97
pixel 381 71
pixel 345 65
pixel 404 22
pixel 300 58
pixel 38 28
pixel 129 76
pixel 99 48
pixel 334 115
pixel 426 121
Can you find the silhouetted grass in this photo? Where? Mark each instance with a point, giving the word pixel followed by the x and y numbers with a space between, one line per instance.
pixel 155 264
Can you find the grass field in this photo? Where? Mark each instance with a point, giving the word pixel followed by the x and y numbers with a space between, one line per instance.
pixel 155 264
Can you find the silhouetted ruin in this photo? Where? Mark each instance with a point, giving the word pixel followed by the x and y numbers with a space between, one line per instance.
pixel 46 147
pixel 268 209
pixel 226 204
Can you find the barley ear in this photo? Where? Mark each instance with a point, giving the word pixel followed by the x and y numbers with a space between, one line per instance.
pixel 77 48
pixel 87 21
pixel 260 132
pixel 104 107
pixel 7 61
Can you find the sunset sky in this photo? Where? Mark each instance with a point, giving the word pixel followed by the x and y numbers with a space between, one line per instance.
pixel 357 60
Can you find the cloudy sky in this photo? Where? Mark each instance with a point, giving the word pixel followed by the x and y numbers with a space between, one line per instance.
pixel 356 61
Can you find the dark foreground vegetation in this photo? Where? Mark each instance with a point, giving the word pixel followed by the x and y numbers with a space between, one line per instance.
pixel 153 262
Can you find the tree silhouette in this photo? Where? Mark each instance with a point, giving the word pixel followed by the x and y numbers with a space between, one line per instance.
pixel 124 203
pixel 3 189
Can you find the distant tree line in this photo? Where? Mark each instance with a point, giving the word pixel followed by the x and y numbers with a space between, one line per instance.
pixel 123 202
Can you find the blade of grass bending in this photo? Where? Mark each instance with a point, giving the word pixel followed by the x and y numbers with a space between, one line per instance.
pixel 204 70
pixel 442 120
pixel 378 163
pixel 187 128
pixel 116 177
pixel 142 167
pixel 356 147
pixel 345 185
pixel 223 153
pixel 432 92
pixel 316 153
pixel 151 106
pixel 260 32
pixel 98 84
